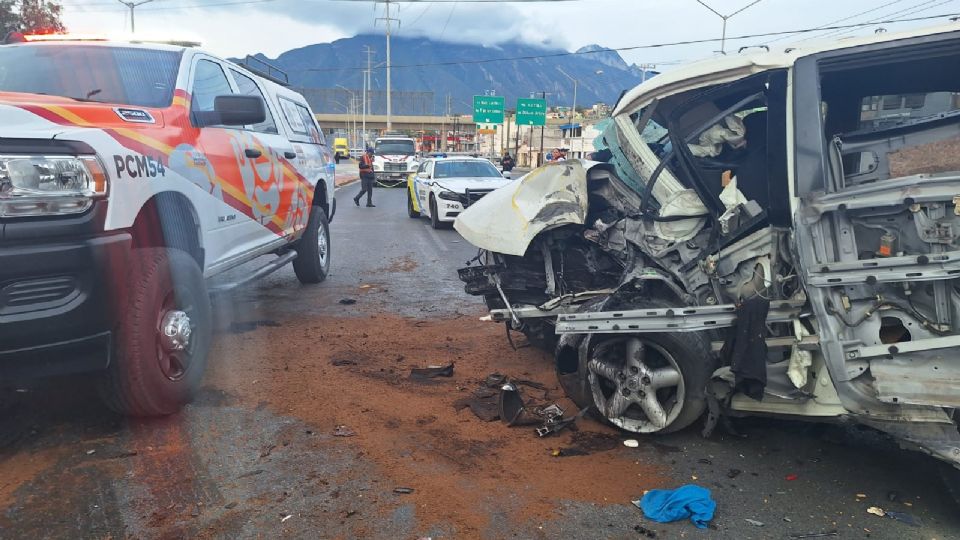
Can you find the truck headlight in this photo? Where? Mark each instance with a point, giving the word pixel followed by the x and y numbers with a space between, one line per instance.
pixel 377 166
pixel 449 196
pixel 49 185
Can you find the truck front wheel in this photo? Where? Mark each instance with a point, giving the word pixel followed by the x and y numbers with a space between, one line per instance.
pixel 313 250
pixel 163 336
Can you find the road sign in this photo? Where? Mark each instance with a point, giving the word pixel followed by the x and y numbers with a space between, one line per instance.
pixel 488 109
pixel 531 112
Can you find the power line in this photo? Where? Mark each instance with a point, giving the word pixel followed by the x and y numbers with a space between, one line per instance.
pixel 648 46
pixel 847 18
pixel 917 8
pixel 903 11
pixel 453 7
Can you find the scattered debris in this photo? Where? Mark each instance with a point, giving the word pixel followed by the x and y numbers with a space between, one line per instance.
pixel 861 495
pixel 403 490
pixel 267 450
pixel 877 511
pixel 689 501
pixel 431 372
pixel 343 362
pixel 791 477
pixel 569 452
pixel 350 513
pixel 286 517
pixel 645 532
pixel 554 424
pixel 733 473
pixel 704 461
pixel 754 522
pixel 91 452
pixel 801 536
pixel 903 517
pixel 231 505
pixel 347 301
pixel 343 431
pixel 631 443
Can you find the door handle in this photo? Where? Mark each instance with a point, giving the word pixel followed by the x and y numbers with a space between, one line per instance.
pixel 252 153
pixel 289 155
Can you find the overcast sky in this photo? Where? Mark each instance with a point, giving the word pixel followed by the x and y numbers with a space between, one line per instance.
pixel 238 27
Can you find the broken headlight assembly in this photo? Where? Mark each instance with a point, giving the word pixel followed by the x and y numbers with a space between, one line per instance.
pixel 449 196
pixel 49 185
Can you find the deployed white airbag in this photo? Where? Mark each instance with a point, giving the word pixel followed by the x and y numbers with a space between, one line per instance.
pixel 508 219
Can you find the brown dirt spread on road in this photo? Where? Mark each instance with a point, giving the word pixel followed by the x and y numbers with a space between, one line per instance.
pixel 461 468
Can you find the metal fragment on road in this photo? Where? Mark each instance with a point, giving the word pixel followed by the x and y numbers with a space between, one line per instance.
pixel 343 431
pixel 286 517
pixel 403 490
pixel 631 443
pixel 754 522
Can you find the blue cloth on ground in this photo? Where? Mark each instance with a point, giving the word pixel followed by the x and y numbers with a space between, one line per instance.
pixel 691 501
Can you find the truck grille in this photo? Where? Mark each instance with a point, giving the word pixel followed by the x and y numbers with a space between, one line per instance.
pixel 394 167
pixel 473 195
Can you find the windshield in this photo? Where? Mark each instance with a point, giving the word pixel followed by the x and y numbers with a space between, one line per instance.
pixel 395 147
pixel 471 169
pixel 119 75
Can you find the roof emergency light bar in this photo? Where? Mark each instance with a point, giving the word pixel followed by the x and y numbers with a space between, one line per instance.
pixel 18 37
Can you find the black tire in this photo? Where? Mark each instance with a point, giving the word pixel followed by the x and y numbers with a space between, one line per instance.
pixel 146 378
pixel 691 351
pixel 434 220
pixel 410 211
pixel 312 264
pixel 951 479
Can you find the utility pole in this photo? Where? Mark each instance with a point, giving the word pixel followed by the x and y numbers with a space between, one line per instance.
pixel 366 87
pixel 388 19
pixel 132 5
pixel 573 110
pixel 725 18
pixel 643 71
pixel 540 155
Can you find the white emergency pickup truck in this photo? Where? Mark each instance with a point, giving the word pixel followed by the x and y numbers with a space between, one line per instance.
pixel 130 174
pixel 395 158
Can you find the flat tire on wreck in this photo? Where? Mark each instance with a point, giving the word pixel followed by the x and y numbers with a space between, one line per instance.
pixel 643 383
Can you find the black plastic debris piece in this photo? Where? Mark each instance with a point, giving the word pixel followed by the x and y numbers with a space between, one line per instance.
pixel 343 362
pixel 347 301
pixel 903 517
pixel 483 407
pixel 801 536
pixel 704 461
pixel 403 490
pixel 733 473
pixel 645 532
pixel 432 372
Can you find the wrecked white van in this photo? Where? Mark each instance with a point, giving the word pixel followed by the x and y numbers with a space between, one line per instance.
pixel 767 234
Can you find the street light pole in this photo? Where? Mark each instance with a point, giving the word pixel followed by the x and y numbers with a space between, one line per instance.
pixel 132 5
pixel 573 110
pixel 388 19
pixel 725 18
pixel 353 113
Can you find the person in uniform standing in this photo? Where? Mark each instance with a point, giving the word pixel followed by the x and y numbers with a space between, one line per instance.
pixel 367 178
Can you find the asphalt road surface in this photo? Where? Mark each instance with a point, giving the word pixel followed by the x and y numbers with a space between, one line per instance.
pixel 308 423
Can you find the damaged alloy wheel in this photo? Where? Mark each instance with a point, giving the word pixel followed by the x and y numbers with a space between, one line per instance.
pixel 649 383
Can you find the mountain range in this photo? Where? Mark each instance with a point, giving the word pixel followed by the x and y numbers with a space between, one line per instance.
pixel 425 72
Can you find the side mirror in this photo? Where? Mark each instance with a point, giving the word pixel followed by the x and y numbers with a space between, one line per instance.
pixel 233 110
pixel 506 174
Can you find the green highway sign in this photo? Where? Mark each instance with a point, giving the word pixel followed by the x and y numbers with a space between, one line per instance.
pixel 531 112
pixel 488 109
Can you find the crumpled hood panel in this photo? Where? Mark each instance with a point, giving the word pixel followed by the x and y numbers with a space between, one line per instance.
pixel 508 219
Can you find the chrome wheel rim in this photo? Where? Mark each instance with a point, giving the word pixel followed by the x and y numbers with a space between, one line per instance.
pixel 322 245
pixel 636 384
pixel 174 344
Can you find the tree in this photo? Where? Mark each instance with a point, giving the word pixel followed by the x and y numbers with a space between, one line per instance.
pixel 30 16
